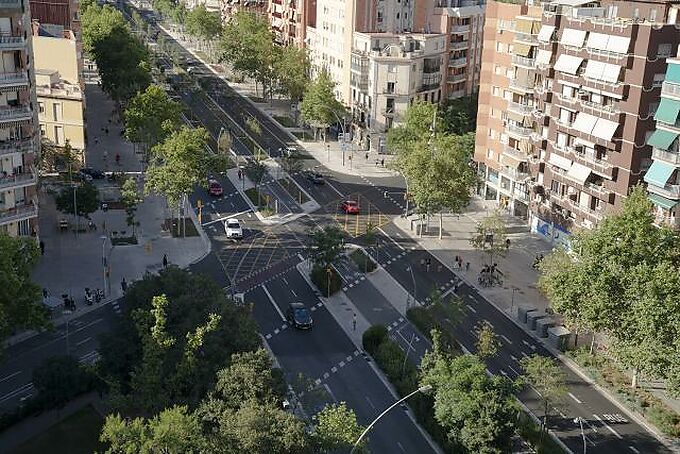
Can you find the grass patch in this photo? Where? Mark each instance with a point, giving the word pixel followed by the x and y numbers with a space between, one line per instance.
pixel 294 190
pixel 285 121
pixel 606 373
pixel 176 227
pixel 321 279
pixel 79 433
pixel 362 260
pixel 262 202
pixel 304 136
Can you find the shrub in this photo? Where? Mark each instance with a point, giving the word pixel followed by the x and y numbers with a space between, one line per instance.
pixel 320 279
pixel 373 337
pixel 363 261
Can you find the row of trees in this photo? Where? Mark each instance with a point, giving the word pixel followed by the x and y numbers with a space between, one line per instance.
pixel 185 363
pixel 621 279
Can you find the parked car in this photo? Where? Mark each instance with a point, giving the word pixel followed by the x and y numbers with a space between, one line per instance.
pixel 94 173
pixel 215 188
pixel 350 207
pixel 315 178
pixel 298 316
pixel 233 229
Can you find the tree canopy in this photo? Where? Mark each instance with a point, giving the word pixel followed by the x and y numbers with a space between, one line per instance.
pixel 327 245
pixel 86 200
pixel 292 70
pixel 203 24
pixel 491 236
pixel 320 108
pixel 621 278
pixel 548 378
pixel 151 116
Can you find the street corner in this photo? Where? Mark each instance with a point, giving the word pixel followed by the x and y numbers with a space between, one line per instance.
pixel 356 215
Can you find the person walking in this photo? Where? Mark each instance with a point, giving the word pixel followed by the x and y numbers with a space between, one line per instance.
pixel 42 247
pixel 354 321
pixel 507 244
pixel 165 260
pixel 123 285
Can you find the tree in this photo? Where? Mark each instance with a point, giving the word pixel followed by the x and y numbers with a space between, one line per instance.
pixel 617 279
pixel 319 106
pixel 292 69
pixel 549 380
pixel 487 341
pixel 130 196
pixel 491 236
pixel 87 200
pixel 203 24
pixel 291 161
pixel 336 428
pixel 254 126
pixel 59 379
pixel 327 245
pixel 476 410
pixel 151 116
pixel 56 158
pixel 460 115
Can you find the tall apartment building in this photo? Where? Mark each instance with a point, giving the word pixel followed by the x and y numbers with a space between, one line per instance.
pixel 18 144
pixel 566 109
pixel 288 21
pixel 663 177
pixel 228 8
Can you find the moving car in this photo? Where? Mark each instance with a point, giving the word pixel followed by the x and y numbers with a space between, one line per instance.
pixel 94 173
pixel 315 178
pixel 350 207
pixel 298 316
pixel 215 188
pixel 233 229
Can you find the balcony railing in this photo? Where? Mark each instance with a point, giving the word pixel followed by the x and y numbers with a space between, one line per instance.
pixel 16 78
pixel 610 109
pixel 599 165
pixel 670 191
pixel 12 42
pixel 517 154
pixel 456 78
pixel 667 156
pixel 460 29
pixel 456 94
pixel 16 146
pixel 524 85
pixel 15 113
pixel 522 109
pixel 459 45
pixel 387 111
pixel 599 190
pixel 22 179
pixel 524 61
pixel 670 89
pixel 519 130
pixel 458 61
pixel 18 213
pixel 526 38
pixel 514 174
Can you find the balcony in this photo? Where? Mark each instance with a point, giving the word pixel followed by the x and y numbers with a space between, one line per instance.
pixel 12 42
pixel 13 79
pixel 519 108
pixel 16 146
pixel 524 86
pixel 517 154
pixel 18 213
pixel 514 174
pixel 600 108
pixel 521 131
pixel 458 62
pixel 670 191
pixel 666 156
pixel 523 61
pixel 460 29
pixel 456 94
pixel 459 45
pixel 599 166
pixel 19 180
pixel 20 113
pixel 670 89
pixel 526 38
pixel 600 191
pixel 663 218
pixel 456 78
pixel 387 111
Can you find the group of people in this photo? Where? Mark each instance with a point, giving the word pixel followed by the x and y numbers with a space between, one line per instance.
pixel 459 263
pixel 490 276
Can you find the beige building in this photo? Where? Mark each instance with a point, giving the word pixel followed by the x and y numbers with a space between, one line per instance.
pixel 388 73
pixel 59 90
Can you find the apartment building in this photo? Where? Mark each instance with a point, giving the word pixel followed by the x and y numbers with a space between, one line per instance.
pixel 570 105
pixel 388 72
pixel 18 144
pixel 228 8
pixel 288 21
pixel 663 176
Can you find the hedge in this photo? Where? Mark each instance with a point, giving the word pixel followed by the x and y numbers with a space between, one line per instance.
pixel 320 279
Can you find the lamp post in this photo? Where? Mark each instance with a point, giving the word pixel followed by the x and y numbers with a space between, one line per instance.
pixel 578 420
pixel 422 389
pixel 328 288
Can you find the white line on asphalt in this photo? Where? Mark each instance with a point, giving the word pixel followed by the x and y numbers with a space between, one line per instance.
pixel 514 358
pixel 87 339
pixel 471 308
pixel 293 292
pixel 526 343
pixel 590 425
pixel 505 339
pixel 271 299
pixel 391 239
pixel 524 354
pixel 10 376
pixel 28 387
pixel 513 369
pixel 370 403
pixel 608 427
pixel 575 398
pixel 632 448
pixel 335 189
pixel 222 219
pixel 489 323
pixel 401 447
pixel 284 280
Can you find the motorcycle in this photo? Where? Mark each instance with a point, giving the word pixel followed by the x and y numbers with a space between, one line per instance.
pixel 89 297
pixel 98 295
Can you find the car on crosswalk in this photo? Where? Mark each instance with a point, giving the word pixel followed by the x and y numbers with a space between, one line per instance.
pixel 233 229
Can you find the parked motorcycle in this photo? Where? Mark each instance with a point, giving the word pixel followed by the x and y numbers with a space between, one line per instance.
pixel 89 297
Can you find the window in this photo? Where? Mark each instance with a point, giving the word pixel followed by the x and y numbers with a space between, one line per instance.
pixel 665 50
pixel 496 91
pixel 390 87
pixel 489 153
pixel 389 105
pixel 59 135
pixel 658 79
pixel 500 47
pixel 498 70
pixel 43 129
pixel 391 68
pixel 562 140
pixel 41 107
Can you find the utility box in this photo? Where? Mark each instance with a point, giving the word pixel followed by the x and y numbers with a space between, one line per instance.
pixel 542 325
pixel 523 310
pixel 533 317
pixel 559 337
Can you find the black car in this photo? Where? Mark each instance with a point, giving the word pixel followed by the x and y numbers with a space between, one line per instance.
pixel 315 178
pixel 298 316
pixel 94 173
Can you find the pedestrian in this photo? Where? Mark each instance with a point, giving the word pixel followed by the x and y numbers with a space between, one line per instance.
pixel 354 322
pixel 377 162
pixel 507 244
pixel 45 293
pixel 467 266
pixel 382 162
pixel 456 259
pixel 240 174
pixel 118 158
pixel 366 155
pixel 428 263
pixel 42 247
pixel 123 285
pixel 165 260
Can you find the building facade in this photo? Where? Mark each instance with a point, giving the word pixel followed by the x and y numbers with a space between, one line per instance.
pixel 19 146
pixel 663 177
pixel 567 136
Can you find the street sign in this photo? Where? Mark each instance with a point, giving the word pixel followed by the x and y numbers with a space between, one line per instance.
pixel 344 137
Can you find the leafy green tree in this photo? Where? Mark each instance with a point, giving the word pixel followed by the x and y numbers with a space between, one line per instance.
pixel 254 126
pixel 327 245
pixel 87 200
pixel 53 157
pixel 131 198
pixel 460 115
pixel 336 428
pixel 59 379
pixel 320 108
pixel 487 341
pixel 203 24
pixel 548 378
pixel 292 69
pixel 151 116
pixel 491 236
pixel 476 410
pixel 292 161
pixel 618 279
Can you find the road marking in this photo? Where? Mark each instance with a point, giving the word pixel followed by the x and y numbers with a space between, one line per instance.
pixel 471 308
pixel 608 427
pixel 342 364
pixel 334 369
pixel 514 358
pixel 271 299
pixel 370 403
pixel 524 354
pixel 401 447
pixel 505 374
pixel 489 323
pixel 10 376
pixel 632 448
pixel 293 292
pixel 391 239
pixel 505 339
pixel 284 280
pixel 575 398
pixel 335 189
pixel 28 387
pixel 87 339
pixel 513 369
pixel 226 217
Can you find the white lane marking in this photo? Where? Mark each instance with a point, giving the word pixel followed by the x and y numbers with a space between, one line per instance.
pixel 293 292
pixel 575 398
pixel 271 299
pixel 505 339
pixel 391 239
pixel 513 369
pixel 489 323
pixel 285 280
pixel 87 339
pixel 225 217
pixel 632 448
pixel 370 403
pixel 28 387
pixel 401 447
pixel 608 427
pixel 335 189
pixel 524 354
pixel 514 358
pixel 471 308
pixel 10 376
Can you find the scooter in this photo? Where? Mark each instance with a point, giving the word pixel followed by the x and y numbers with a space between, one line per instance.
pixel 98 295
pixel 89 297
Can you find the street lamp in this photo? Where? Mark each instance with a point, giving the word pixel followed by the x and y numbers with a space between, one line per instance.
pixel 422 389
pixel 578 420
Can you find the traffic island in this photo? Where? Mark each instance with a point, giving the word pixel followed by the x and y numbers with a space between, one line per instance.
pixel 361 258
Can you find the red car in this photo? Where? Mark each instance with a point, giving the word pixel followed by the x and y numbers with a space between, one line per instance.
pixel 215 188
pixel 350 207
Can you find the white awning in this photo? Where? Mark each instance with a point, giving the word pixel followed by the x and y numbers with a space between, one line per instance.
pixel 545 33
pixel 578 141
pixel 573 37
pixel 571 2
pixel 597 41
pixel 568 64
pixel 594 69
pixel 584 123
pixel 543 57
pixel 579 172
pixel 559 161
pixel 618 44
pixel 570 84
pixel 605 129
pixel 611 73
